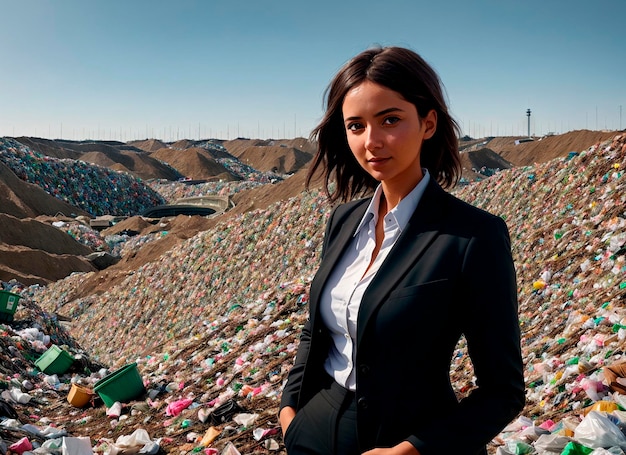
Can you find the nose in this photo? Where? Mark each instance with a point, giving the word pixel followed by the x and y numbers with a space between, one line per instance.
pixel 373 139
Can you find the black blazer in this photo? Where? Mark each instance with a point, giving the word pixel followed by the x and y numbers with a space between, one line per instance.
pixel 449 273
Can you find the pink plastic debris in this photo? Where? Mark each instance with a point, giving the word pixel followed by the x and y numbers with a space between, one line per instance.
pixel 176 407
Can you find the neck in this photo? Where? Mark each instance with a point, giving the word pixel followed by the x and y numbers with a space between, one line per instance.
pixel 396 190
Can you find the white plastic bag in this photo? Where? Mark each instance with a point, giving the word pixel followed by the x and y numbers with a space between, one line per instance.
pixel 597 430
pixel 551 443
pixel 611 451
pixel 76 446
pixel 137 442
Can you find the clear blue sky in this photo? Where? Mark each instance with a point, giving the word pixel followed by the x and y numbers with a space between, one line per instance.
pixel 131 69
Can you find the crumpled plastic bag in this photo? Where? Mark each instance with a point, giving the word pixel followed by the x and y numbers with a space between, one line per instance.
pixel 620 399
pixel 551 443
pixel 77 446
pixel 518 424
pixel 138 442
pixel 611 451
pixel 245 419
pixel 598 431
pixel 21 446
pixel 176 407
pixel 531 434
pixel 515 448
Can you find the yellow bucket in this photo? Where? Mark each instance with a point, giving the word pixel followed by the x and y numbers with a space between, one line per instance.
pixel 79 396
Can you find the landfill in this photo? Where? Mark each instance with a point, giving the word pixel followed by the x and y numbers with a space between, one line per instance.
pixel 213 325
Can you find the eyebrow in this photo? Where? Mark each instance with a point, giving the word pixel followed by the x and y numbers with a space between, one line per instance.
pixel 378 114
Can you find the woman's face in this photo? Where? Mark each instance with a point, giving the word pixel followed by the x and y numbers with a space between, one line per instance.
pixel 385 134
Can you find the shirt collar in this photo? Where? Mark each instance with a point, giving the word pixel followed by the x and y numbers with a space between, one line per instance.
pixel 401 212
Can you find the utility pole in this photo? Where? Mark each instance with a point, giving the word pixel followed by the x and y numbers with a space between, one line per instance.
pixel 528 115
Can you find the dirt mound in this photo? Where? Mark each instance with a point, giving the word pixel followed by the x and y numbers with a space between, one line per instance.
pixel 134 224
pixel 195 163
pixel 279 159
pixel 183 144
pixel 49 147
pixel 29 266
pixel 23 200
pixel 149 145
pixel 35 252
pixel 484 158
pixel 237 146
pixel 300 143
pixel 39 236
pixel 546 148
pixel 282 156
pixel 140 164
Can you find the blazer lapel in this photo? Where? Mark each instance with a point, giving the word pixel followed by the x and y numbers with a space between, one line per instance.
pixel 334 251
pixel 418 235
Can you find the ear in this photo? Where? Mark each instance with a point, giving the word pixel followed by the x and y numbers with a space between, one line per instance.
pixel 430 124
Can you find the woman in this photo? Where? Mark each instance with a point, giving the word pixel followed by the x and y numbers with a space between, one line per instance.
pixel 403 275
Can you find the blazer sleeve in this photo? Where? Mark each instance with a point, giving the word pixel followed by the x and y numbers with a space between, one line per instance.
pixel 491 329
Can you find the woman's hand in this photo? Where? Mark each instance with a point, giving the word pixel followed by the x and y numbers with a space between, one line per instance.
pixel 404 448
pixel 286 416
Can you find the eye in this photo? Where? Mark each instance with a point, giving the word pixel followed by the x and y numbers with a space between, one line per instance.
pixel 354 126
pixel 391 120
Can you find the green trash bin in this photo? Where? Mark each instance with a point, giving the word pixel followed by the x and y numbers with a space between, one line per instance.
pixel 8 305
pixel 54 361
pixel 122 385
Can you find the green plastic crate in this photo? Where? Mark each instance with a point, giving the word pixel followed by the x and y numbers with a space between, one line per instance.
pixel 122 385
pixel 54 361
pixel 8 305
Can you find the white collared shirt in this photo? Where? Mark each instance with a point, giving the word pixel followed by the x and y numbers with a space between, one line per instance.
pixel 347 282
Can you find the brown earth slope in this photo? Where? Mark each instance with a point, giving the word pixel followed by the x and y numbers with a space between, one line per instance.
pixel 476 160
pixel 283 160
pixel 547 148
pixel 284 156
pixel 195 163
pixel 141 164
pixel 149 145
pixel 37 253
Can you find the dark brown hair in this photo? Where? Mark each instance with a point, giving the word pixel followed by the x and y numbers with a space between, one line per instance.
pixel 406 73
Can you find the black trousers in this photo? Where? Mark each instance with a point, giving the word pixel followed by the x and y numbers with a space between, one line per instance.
pixel 326 425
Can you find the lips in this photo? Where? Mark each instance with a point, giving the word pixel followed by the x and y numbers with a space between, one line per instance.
pixel 377 161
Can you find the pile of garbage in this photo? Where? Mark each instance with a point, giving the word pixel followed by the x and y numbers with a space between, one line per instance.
pixel 213 327
pixel 95 189
pixel 568 228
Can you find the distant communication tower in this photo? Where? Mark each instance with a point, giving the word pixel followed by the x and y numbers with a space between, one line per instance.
pixel 528 115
